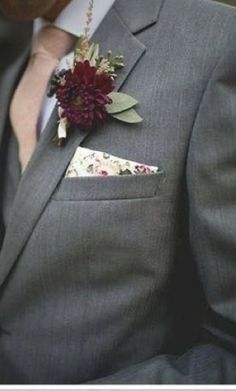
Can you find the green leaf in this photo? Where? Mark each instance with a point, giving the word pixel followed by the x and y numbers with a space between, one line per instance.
pixel 120 102
pixel 129 116
pixel 93 53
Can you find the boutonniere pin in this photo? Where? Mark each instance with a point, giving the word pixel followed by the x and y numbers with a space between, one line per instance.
pixel 85 92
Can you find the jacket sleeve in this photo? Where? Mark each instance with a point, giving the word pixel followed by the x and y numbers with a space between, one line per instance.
pixel 211 184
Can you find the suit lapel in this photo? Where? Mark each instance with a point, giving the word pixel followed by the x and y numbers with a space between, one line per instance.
pixel 139 14
pixel 49 162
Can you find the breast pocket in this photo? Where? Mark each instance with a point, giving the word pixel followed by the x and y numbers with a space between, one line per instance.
pixel 109 188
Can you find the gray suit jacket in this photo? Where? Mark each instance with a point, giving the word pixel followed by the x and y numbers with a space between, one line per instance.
pixel 13 38
pixel 132 279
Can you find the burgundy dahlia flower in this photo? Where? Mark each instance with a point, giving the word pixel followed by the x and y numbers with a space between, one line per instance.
pixel 83 95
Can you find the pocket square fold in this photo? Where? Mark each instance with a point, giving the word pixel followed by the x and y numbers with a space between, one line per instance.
pixel 87 162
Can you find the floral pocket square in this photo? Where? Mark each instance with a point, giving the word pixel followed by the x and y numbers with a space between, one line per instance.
pixel 87 162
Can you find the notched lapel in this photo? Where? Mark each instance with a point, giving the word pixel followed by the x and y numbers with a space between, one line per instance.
pixel 49 162
pixel 139 14
pixel 113 34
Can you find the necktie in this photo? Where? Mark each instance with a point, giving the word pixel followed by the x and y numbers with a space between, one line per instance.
pixel 49 46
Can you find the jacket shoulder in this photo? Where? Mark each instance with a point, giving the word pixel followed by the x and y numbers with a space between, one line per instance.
pixel 208 23
pixel 204 8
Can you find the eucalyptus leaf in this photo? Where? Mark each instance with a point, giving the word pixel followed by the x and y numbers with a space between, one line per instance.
pixel 120 102
pixel 90 52
pixel 93 53
pixel 129 116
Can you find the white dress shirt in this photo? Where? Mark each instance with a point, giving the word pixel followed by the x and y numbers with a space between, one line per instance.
pixel 72 19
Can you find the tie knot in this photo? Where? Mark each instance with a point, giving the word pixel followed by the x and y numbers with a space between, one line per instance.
pixel 52 42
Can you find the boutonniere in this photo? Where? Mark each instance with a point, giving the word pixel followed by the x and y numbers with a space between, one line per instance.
pixel 85 92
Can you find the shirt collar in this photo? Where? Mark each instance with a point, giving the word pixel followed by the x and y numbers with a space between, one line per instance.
pixel 73 18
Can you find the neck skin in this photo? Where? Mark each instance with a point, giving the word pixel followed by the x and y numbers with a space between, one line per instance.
pixel 53 13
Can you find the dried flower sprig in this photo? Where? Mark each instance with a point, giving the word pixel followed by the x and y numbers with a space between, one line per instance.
pixel 110 64
pixel 82 46
pixel 89 19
